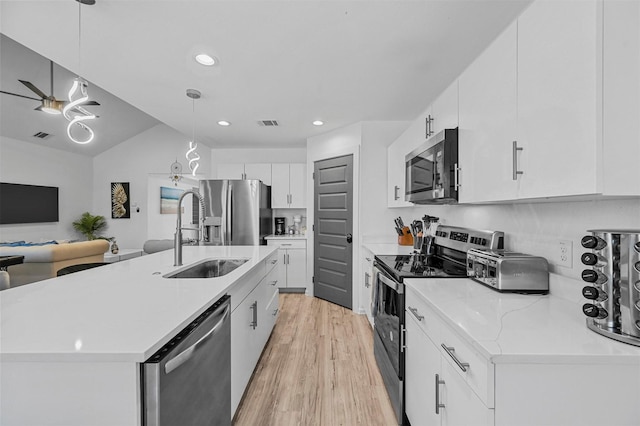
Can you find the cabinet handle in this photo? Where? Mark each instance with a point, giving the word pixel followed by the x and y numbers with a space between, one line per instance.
pixel 395 192
pixel 287 258
pixel 274 261
pixel 254 322
pixel 402 336
pixel 450 351
pixel 285 244
pixel 275 312
pixel 273 283
pixel 366 279
pixel 428 122
pixel 516 172
pixel 456 176
pixel 414 311
pixel 368 259
pixel 438 383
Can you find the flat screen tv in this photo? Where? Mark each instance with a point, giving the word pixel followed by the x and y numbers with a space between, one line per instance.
pixel 28 203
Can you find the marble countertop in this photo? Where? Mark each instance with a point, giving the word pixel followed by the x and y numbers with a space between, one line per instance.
pixel 516 328
pixel 384 248
pixel 286 237
pixel 120 312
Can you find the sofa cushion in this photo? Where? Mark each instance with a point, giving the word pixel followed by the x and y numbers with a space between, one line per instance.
pixel 57 252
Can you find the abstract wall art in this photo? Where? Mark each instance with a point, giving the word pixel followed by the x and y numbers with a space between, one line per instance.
pixel 169 200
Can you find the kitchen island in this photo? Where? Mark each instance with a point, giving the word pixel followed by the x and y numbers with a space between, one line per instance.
pixel 70 347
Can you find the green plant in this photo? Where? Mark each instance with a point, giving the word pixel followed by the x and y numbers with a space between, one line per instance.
pixel 91 226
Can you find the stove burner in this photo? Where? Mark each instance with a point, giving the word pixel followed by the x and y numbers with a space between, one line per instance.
pixel 420 266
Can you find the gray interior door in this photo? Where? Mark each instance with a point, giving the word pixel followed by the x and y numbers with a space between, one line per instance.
pixel 333 228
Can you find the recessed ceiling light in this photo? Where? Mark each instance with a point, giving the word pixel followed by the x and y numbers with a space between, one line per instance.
pixel 205 59
pixel 318 123
pixel 224 123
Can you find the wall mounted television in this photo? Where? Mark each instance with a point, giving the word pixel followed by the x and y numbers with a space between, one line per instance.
pixel 28 203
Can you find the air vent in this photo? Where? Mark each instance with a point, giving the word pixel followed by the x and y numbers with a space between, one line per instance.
pixel 41 135
pixel 267 123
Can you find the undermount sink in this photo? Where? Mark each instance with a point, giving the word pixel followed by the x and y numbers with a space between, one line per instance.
pixel 209 268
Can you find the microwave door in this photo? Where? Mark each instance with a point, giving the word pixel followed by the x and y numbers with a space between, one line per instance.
pixel 420 174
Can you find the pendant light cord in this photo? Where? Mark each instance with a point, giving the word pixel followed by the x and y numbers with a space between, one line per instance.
pixel 79 38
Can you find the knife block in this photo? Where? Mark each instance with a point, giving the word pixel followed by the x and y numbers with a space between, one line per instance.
pixel 406 239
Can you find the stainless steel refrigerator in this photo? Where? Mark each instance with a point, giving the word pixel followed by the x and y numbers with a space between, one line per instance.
pixel 237 212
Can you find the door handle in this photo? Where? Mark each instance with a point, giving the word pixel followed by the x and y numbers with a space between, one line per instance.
pixel 516 172
pixel 185 355
pixel 438 404
pixel 349 238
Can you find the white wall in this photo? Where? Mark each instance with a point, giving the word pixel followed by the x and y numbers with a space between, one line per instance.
pixel 150 152
pixel 34 164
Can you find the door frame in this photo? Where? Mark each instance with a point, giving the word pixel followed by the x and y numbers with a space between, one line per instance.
pixel 337 151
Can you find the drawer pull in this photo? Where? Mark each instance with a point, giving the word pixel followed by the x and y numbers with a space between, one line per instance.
pixel 274 261
pixel 286 244
pixel 414 311
pixel 438 404
pixel 273 283
pixel 450 351
pixel 275 312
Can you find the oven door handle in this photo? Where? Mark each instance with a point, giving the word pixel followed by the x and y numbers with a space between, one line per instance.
pixel 388 281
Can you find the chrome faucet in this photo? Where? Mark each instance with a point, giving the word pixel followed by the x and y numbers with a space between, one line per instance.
pixel 177 237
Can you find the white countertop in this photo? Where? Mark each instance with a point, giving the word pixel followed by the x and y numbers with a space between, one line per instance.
pixel 390 249
pixel 122 312
pixel 515 328
pixel 286 237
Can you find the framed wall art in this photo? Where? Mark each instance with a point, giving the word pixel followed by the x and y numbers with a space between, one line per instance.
pixel 120 196
pixel 169 200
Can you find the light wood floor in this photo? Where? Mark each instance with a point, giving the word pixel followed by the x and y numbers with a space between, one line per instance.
pixel 317 369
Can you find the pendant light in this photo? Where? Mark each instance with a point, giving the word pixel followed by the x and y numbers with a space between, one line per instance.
pixel 73 111
pixel 191 155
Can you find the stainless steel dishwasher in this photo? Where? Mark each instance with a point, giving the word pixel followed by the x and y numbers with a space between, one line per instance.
pixel 187 382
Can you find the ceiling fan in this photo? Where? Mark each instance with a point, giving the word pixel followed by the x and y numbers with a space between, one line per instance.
pixel 49 104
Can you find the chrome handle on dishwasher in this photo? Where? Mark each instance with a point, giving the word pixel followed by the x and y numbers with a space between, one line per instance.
pixel 414 311
pixel 185 355
pixel 438 404
pixel 516 172
pixel 450 351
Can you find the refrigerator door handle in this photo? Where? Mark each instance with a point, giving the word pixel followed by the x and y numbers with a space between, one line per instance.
pixel 229 215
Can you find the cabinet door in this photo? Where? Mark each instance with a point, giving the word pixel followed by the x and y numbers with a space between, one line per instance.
pixel 230 171
pixel 297 186
pixel 280 186
pixel 461 405
pixel 422 364
pixel 487 96
pixel 244 348
pixel 296 267
pixel 367 282
pixel 282 268
pixel 445 109
pixel 258 171
pixel 557 83
pixel 396 153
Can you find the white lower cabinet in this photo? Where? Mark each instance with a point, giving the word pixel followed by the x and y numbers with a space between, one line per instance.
pixel 437 390
pixel 252 321
pixel 292 256
pixel 366 285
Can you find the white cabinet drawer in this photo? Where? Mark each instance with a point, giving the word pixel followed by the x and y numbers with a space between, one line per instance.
pixel 427 320
pixel 287 244
pixel 461 356
pixel 271 261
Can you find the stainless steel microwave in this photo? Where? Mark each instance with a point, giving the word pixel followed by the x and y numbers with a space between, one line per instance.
pixel 431 170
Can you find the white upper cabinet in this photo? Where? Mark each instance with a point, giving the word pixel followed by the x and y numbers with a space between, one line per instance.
pixel 487 127
pixel 396 152
pixel 557 99
pixel 621 106
pixel 444 110
pixel 289 186
pixel 260 171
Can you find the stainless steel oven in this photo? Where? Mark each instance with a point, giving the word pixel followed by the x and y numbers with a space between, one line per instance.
pixel 388 318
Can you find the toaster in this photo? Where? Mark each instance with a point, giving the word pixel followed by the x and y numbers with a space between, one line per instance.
pixel 508 271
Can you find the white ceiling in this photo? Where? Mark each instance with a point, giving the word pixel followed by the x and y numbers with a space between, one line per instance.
pixel 290 61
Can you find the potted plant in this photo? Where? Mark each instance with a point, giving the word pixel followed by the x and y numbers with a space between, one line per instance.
pixel 91 226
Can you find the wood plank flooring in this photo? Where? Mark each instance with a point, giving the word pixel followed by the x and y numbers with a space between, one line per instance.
pixel 318 368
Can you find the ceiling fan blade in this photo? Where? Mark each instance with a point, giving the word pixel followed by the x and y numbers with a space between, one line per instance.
pixel 33 88
pixel 20 96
